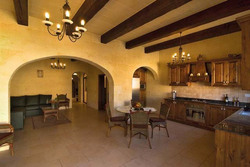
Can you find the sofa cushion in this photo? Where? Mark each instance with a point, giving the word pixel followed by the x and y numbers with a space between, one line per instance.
pixel 30 113
pixel 34 107
pixel 32 100
pixel 45 105
pixel 18 101
pixel 44 99
pixel 18 109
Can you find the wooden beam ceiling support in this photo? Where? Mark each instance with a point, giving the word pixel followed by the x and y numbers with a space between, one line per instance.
pixel 21 9
pixel 223 29
pixel 216 12
pixel 149 13
pixel 87 11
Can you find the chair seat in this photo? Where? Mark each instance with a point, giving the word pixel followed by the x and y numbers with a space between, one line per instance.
pixel 154 119
pixel 117 119
pixel 4 135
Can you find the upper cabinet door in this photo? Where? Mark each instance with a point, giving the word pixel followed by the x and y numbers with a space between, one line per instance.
pixel 218 73
pixel 179 74
pixel 174 70
pixel 183 75
pixel 233 77
pixel 226 73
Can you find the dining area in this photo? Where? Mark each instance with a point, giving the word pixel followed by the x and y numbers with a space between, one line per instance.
pixel 138 120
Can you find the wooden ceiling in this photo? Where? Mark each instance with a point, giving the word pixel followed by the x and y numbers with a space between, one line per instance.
pixel 153 24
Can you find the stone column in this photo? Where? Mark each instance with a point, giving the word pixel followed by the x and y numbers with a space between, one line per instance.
pixel 244 23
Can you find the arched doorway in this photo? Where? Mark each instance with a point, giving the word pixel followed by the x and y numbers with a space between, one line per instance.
pixel 47 74
pixel 141 84
pixel 79 87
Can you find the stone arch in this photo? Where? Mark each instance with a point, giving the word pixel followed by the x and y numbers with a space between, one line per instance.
pixel 100 67
pixel 155 75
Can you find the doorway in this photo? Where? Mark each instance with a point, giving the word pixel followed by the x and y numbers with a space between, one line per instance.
pixel 139 86
pixel 102 91
pixel 85 88
pixel 79 87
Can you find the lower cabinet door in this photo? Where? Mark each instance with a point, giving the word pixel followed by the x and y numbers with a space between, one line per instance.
pixel 180 111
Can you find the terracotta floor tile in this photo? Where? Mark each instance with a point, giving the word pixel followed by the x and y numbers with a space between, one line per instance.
pixel 83 142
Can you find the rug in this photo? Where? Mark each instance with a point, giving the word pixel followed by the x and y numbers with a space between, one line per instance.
pixel 50 121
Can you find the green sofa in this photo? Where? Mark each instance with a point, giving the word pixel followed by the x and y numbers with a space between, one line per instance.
pixel 26 106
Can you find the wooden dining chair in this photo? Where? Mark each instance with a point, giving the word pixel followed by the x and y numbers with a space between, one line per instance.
pixel 139 125
pixel 7 136
pixel 161 120
pixel 119 121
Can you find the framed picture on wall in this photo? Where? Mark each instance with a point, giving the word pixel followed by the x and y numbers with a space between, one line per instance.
pixel 40 73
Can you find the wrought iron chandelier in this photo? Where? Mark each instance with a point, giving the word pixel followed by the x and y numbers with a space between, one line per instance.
pixel 66 29
pixel 58 65
pixel 182 55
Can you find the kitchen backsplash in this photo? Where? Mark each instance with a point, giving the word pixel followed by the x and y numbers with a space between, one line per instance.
pixel 203 91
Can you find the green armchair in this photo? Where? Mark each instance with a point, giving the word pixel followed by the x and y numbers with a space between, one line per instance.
pixel 7 136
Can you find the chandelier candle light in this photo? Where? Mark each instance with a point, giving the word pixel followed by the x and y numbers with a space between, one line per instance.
pixel 60 32
pixel 182 55
pixel 58 65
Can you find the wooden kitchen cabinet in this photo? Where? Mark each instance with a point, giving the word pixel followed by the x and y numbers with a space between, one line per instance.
pixel 226 73
pixel 174 75
pixel 180 111
pixel 171 103
pixel 216 114
pixel 179 74
pixel 230 110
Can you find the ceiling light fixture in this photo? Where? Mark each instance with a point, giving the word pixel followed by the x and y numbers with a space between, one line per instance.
pixel 58 65
pixel 66 29
pixel 182 55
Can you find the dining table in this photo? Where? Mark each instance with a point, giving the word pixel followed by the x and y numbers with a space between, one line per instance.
pixel 126 109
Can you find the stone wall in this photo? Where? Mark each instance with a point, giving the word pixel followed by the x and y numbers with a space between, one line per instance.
pixel 20 45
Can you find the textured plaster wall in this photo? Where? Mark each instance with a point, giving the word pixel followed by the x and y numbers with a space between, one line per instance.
pixel 218 47
pixel 26 82
pixel 20 45
pixel 155 91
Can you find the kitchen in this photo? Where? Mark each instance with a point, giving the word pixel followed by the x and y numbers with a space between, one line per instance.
pixel 213 87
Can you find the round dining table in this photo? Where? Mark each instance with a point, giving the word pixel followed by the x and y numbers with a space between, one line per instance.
pixel 126 109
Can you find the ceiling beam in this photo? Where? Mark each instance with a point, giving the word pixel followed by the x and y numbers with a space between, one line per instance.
pixel 149 13
pixel 87 11
pixel 223 29
pixel 21 9
pixel 216 12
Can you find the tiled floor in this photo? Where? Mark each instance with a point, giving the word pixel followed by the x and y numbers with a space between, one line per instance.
pixel 84 143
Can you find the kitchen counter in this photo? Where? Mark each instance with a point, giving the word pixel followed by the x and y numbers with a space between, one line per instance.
pixel 208 101
pixel 238 122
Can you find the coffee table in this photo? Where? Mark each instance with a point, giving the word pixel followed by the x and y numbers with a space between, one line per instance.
pixel 48 111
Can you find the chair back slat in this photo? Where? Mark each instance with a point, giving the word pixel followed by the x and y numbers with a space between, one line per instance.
pixel 61 96
pixel 164 111
pixel 139 118
pixel 107 108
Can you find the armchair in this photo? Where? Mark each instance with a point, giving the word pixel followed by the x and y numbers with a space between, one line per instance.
pixel 62 100
pixel 7 136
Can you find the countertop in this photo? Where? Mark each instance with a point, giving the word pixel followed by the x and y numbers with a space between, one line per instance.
pixel 208 101
pixel 239 123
